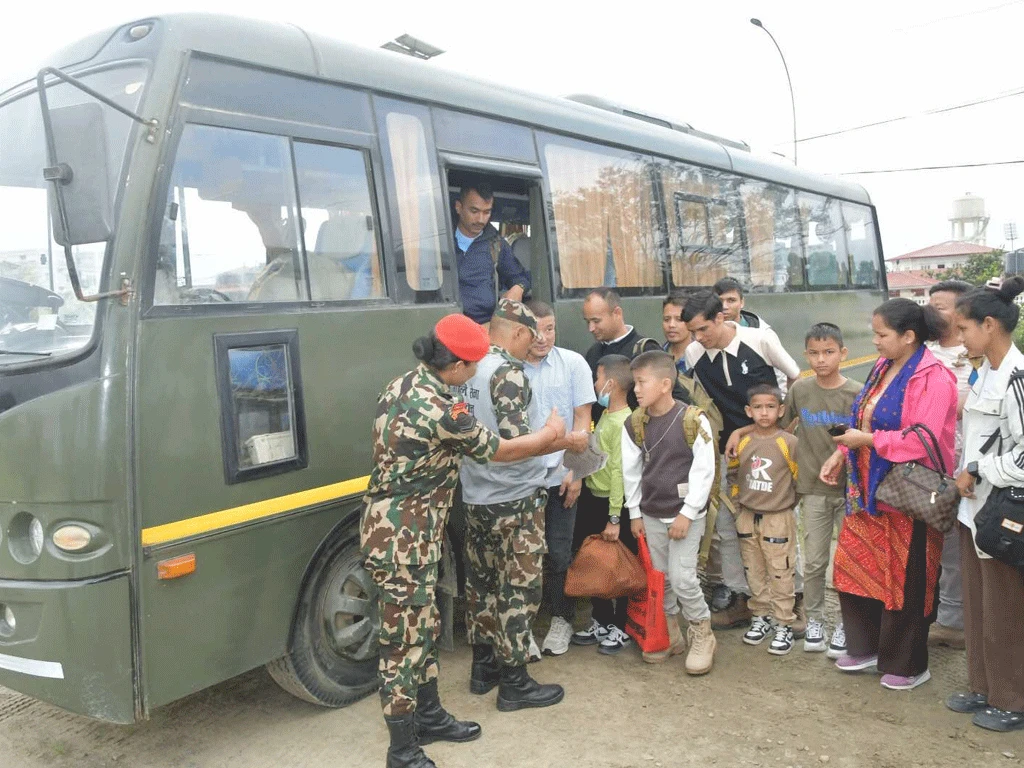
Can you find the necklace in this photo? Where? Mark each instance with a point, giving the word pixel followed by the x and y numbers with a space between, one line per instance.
pixel 647 451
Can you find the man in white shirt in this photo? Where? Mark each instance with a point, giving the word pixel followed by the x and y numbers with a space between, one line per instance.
pixel 561 380
pixel 948 628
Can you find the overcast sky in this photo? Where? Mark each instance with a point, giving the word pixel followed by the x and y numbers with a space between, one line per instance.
pixel 851 63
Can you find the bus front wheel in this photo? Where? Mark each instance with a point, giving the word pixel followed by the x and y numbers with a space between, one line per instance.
pixel 332 655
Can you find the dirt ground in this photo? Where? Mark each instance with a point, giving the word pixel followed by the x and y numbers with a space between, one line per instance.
pixel 752 710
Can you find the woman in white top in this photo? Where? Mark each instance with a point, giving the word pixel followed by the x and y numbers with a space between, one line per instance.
pixel 993 591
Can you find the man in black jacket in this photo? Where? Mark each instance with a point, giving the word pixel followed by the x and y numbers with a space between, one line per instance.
pixel 602 312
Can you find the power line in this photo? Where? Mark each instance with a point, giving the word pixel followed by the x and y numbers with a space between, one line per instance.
pixel 932 168
pixel 935 111
pixel 957 16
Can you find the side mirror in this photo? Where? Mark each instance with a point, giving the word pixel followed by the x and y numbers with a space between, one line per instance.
pixel 82 175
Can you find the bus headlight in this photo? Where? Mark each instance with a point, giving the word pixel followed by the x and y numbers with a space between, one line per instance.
pixel 72 538
pixel 7 622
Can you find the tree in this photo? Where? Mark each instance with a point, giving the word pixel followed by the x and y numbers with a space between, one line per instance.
pixel 979 269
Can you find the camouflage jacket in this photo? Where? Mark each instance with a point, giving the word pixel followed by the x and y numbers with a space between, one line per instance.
pixel 420 433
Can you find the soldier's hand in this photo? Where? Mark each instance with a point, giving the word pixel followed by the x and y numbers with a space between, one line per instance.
pixel 578 441
pixel 556 423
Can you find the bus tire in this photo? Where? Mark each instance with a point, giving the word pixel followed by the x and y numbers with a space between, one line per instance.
pixel 333 648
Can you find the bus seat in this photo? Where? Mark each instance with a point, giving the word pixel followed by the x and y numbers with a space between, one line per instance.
pixel 521 250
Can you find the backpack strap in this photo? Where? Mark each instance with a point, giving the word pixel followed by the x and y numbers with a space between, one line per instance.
pixel 638 420
pixel 638 347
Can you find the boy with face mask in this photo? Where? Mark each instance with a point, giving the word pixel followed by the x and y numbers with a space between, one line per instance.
pixel 605 500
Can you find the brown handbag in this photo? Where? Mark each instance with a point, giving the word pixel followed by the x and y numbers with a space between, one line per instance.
pixel 926 494
pixel 605 569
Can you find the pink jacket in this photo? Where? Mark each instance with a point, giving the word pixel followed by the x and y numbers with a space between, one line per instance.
pixel 930 399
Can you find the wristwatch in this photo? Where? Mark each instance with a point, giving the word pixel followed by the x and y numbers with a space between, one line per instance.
pixel 972 470
pixel 613 519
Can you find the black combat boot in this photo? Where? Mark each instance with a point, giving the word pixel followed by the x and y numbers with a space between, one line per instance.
pixel 518 691
pixel 434 723
pixel 405 751
pixel 486 674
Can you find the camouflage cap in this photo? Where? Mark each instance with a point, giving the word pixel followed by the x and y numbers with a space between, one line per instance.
pixel 517 312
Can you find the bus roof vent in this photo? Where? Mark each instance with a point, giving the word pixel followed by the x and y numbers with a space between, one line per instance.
pixel 647 117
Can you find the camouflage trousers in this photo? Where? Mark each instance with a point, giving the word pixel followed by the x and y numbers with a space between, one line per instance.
pixel 409 628
pixel 504 574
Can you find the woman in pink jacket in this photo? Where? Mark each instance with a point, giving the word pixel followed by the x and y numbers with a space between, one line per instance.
pixel 887 564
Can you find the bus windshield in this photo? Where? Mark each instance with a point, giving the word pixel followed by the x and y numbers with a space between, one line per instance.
pixel 39 314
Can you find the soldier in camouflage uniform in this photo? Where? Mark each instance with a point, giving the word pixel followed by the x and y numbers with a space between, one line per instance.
pixel 420 434
pixel 505 522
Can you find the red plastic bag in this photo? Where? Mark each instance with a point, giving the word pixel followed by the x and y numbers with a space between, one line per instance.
pixel 645 616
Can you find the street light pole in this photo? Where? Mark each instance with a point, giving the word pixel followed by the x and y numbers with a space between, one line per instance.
pixel 792 99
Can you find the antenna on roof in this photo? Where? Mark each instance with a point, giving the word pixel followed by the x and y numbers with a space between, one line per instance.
pixel 411 46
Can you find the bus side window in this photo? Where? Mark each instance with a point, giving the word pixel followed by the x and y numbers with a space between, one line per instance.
pixel 703 225
pixel 861 239
pixel 825 235
pixel 605 218
pixel 231 221
pixel 775 237
pixel 339 229
pixel 414 191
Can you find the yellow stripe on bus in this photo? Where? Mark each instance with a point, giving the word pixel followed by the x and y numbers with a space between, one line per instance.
pixel 848 364
pixel 225 518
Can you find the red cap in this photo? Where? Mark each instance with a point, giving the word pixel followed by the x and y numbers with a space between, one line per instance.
pixel 464 338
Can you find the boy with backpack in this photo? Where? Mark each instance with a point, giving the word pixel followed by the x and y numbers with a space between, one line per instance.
pixel 670 474
pixel 764 488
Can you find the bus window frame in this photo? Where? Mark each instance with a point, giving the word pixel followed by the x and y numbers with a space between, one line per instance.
pixel 223 343
pixel 292 132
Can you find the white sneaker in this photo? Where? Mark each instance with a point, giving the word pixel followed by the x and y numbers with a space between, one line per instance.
pixel 535 654
pixel 615 642
pixel 837 648
pixel 815 640
pixel 592 635
pixel 556 642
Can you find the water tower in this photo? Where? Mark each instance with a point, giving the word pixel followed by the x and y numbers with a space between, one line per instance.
pixel 969 220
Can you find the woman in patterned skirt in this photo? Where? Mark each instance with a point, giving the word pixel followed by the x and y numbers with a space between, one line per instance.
pixel 887 564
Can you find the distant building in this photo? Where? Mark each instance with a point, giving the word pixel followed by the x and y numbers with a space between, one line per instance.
pixel 910 285
pixel 947 255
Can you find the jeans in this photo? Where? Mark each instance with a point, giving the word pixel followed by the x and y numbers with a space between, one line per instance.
pixel 951 588
pixel 559 524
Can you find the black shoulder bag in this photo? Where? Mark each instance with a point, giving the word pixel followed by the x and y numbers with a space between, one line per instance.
pixel 1000 522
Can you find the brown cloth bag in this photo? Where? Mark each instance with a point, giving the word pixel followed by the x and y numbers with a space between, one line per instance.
pixel 605 569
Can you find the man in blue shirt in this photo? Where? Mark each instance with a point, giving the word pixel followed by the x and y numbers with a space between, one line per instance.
pixel 561 380
pixel 483 255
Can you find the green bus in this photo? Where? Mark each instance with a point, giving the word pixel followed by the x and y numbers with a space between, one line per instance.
pixel 218 238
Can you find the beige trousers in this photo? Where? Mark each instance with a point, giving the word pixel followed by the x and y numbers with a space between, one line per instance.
pixel 768 547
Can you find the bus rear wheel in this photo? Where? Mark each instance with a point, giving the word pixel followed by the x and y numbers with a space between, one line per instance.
pixel 332 654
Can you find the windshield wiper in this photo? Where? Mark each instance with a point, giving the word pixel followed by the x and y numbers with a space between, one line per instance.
pixel 32 354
